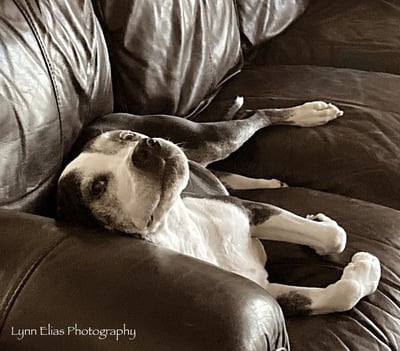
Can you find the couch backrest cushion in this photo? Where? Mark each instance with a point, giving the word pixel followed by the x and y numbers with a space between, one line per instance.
pixel 169 56
pixel 54 77
pixel 261 20
pixel 355 34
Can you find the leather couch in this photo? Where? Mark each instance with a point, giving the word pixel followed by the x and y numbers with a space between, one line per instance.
pixel 65 64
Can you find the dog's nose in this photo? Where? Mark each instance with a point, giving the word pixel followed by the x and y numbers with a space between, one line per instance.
pixel 153 143
pixel 146 154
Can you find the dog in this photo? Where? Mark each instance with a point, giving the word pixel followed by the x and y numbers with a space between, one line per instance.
pixel 133 180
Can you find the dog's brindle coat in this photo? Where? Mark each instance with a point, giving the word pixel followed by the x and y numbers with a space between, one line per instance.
pixel 128 182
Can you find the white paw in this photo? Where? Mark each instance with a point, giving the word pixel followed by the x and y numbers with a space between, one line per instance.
pixel 234 109
pixel 365 269
pixel 271 184
pixel 239 101
pixel 239 182
pixel 315 113
pixel 360 278
pixel 334 237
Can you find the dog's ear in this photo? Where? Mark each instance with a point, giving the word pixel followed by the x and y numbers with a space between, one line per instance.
pixel 71 207
pixel 83 143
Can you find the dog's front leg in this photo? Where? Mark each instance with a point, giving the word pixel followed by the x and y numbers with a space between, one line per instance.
pixel 319 232
pixel 202 142
pixel 360 278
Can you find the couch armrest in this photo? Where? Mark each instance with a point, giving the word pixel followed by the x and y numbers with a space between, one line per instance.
pixel 55 276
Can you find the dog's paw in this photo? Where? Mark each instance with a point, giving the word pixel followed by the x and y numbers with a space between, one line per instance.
pixel 235 107
pixel 366 270
pixel 360 278
pixel 239 182
pixel 314 113
pixel 239 101
pixel 271 184
pixel 334 237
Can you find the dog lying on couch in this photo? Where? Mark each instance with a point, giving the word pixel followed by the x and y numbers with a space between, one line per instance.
pixel 132 181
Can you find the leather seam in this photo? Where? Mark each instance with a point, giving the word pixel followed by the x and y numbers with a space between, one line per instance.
pixel 23 278
pixel 50 70
pixel 47 180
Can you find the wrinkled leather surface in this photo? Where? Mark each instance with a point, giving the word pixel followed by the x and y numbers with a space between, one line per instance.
pixel 342 33
pixel 54 77
pixel 374 324
pixel 356 155
pixel 169 56
pixel 261 20
pixel 64 275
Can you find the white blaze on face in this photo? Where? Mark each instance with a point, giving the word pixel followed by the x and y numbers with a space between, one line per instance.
pixel 131 197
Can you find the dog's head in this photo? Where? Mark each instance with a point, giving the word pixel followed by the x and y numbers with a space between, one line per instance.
pixel 123 181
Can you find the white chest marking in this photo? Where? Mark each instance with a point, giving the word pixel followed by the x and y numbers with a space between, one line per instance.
pixel 216 232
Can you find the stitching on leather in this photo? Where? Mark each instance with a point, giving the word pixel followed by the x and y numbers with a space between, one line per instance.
pixel 50 69
pixel 11 201
pixel 23 278
pixel 29 20
pixel 211 70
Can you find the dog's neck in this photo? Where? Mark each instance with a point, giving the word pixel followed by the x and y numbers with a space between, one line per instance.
pixel 206 228
pixel 177 226
pixel 188 221
pixel 176 213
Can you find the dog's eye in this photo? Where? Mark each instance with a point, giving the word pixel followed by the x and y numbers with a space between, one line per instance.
pixel 98 187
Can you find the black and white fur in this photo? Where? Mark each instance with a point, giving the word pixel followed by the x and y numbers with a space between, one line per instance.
pixel 131 183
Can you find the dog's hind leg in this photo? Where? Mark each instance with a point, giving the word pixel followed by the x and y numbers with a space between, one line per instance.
pixel 238 182
pixel 209 142
pixel 220 139
pixel 309 114
pixel 202 142
pixel 359 279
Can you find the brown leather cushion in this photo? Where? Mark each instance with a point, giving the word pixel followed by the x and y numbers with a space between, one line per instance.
pixel 374 324
pixel 342 33
pixel 64 275
pixel 51 66
pixel 356 155
pixel 168 56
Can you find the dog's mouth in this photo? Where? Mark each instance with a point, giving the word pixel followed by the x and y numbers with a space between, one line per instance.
pixel 174 180
pixel 150 222
pixel 167 164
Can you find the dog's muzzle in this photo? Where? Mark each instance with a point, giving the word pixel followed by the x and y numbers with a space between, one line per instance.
pixel 151 155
